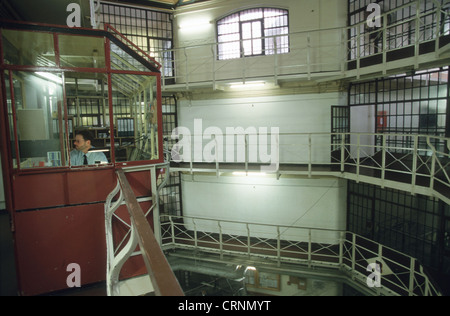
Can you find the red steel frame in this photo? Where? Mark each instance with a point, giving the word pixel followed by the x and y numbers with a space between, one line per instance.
pixel 57 213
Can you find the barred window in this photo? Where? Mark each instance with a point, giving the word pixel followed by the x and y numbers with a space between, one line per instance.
pixel 253 32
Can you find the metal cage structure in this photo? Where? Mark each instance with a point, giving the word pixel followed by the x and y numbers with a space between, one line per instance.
pixel 56 81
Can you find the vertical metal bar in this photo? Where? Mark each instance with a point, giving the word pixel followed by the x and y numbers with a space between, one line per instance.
pixel 163 74
pixel 438 29
pixel 186 69
pixel 278 246
pixel 248 240
pixel 412 269
pixel 353 255
pixel 275 54
pixel 358 51
pixel 214 58
pixel 172 229
pixel 195 234
pixel 341 248
pixel 309 156
pixel 358 155
pixel 433 163
pixel 384 48
pixel 309 248
pixel 191 152
pixel 414 165
pixel 155 202
pixel 417 36
pixel 343 50
pixel 343 135
pixel 308 55
pixel 220 240
pixel 246 152
pixel 217 156
pixel 383 161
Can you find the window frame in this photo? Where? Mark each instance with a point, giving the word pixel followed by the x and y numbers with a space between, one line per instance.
pixel 264 51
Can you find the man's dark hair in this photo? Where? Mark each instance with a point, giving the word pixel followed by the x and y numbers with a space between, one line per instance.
pixel 87 135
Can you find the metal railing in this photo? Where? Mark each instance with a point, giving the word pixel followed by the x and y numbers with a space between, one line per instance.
pixel 382 270
pixel 140 233
pixel 122 39
pixel 415 163
pixel 324 53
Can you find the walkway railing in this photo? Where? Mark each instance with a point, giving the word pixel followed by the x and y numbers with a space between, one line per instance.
pixel 140 233
pixel 382 270
pixel 326 54
pixel 415 163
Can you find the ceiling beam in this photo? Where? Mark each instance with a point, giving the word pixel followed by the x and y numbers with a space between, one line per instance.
pixel 164 4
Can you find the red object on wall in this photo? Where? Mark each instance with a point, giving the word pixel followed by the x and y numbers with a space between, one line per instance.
pixel 381 121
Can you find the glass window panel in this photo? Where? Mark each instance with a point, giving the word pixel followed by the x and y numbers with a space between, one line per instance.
pixel 138 127
pixel 87 104
pixel 40 121
pixel 248 24
pixel 28 48
pixel 251 14
pixel 10 114
pixel 121 60
pixel 82 51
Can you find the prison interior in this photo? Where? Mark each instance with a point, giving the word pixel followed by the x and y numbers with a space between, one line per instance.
pixel 131 85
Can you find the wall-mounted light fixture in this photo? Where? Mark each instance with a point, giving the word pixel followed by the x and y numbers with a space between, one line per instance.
pixel 50 76
pixel 247 85
pixel 250 174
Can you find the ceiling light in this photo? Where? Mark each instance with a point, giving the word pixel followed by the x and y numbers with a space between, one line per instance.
pixel 251 84
pixel 252 174
pixel 50 76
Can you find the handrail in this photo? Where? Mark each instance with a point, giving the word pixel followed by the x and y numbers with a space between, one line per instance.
pixel 415 163
pixel 111 30
pixel 162 277
pixel 341 250
pixel 199 62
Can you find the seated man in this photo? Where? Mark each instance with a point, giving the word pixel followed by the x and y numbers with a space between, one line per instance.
pixel 80 155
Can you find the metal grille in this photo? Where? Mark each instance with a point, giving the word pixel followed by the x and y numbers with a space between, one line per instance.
pixel 401 30
pixel 151 31
pixel 90 111
pixel 408 223
pixel 170 202
pixel 407 104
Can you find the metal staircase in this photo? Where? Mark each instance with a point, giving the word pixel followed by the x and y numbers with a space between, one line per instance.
pixel 162 279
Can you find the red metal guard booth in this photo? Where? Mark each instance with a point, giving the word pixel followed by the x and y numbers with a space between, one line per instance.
pixel 56 81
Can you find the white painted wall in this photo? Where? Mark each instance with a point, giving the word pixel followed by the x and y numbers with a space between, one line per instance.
pixel 291 114
pixel 318 203
pixel 314 46
pixel 362 120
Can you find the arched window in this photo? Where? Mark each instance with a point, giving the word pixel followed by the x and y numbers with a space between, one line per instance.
pixel 253 32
